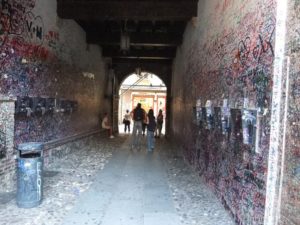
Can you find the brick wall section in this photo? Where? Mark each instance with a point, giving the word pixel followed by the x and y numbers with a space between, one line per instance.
pixel 7 107
pixel 227 53
pixel 42 55
pixel 290 203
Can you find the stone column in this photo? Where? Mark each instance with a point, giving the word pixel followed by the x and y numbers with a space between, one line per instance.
pixel 7 156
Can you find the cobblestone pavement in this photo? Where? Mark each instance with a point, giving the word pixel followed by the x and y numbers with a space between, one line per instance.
pixel 64 181
pixel 194 201
pixel 69 177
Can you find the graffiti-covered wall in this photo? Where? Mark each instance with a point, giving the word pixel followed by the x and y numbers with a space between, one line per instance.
pixel 222 75
pixel 290 150
pixel 47 66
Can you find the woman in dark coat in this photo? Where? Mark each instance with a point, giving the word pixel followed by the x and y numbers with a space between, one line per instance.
pixel 151 126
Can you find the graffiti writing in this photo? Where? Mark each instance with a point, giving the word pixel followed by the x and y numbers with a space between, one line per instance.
pixel 34 29
pixel 250 51
pixel 233 62
pixel 18 19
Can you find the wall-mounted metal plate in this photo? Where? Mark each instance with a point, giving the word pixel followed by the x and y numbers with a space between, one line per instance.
pixel 217 118
pixel 249 120
pixel 226 120
pixel 210 118
pixel 236 123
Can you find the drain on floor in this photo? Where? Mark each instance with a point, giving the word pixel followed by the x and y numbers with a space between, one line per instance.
pixel 6 197
pixel 50 173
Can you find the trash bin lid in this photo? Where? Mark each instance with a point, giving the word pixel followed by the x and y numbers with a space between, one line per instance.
pixel 31 147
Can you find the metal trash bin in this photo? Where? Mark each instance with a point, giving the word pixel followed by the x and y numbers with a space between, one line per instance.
pixel 29 174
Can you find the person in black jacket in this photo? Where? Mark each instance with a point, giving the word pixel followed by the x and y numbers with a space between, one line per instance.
pixel 151 126
pixel 138 115
pixel 160 120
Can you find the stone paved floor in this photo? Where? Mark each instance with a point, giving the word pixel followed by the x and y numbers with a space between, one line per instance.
pixel 68 180
pixel 194 201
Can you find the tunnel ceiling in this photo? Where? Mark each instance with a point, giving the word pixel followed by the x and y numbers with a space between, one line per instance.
pixel 155 28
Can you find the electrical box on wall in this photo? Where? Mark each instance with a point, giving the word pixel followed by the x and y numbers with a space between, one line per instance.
pixel 23 106
pixel 68 106
pixel 59 106
pixel 209 115
pixel 74 105
pixel 225 120
pixel 217 118
pixel 236 123
pixel 38 105
pixel 195 121
pixel 197 117
pixel 64 106
pixel 203 121
pixel 198 112
pixel 249 120
pixel 50 105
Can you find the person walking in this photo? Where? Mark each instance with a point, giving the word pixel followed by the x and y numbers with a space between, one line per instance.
pixel 151 125
pixel 160 120
pixel 126 121
pixel 138 115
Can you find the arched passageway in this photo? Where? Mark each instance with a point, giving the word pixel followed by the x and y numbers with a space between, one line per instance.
pixel 145 88
pixel 231 68
pixel 163 71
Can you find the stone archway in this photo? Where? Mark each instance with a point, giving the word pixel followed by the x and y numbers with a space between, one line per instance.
pixel 146 88
pixel 163 69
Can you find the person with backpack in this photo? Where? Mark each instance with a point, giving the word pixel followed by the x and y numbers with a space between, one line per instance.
pixel 160 120
pixel 151 125
pixel 138 116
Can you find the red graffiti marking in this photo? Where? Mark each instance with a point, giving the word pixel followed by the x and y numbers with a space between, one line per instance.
pixel 52 37
pixel 28 50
